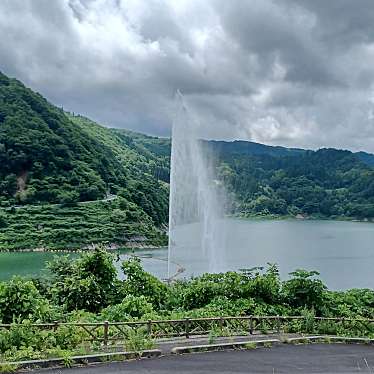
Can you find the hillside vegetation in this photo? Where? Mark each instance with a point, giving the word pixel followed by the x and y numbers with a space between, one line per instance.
pixel 325 183
pixel 50 157
pixel 265 180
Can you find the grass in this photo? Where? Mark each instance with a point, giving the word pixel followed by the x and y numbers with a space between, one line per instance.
pixel 250 345
pixel 327 340
pixel 212 337
pixel 67 359
pixel 8 368
pixel 137 341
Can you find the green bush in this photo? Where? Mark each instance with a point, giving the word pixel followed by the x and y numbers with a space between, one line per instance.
pixel 19 300
pixel 130 307
pixel 24 341
pixel 88 282
pixel 138 340
pixel 265 287
pixel 262 287
pixel 304 291
pixel 140 283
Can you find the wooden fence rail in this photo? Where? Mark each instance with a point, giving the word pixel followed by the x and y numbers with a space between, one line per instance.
pixel 111 332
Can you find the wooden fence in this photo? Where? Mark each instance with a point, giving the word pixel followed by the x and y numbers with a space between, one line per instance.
pixel 112 332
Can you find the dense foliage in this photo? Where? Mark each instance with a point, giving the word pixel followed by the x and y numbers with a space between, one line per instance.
pixel 45 157
pixel 55 168
pixel 265 180
pixel 89 283
pixel 146 173
pixel 326 183
pixel 87 289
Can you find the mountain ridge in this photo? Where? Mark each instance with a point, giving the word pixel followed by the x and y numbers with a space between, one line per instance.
pixel 248 147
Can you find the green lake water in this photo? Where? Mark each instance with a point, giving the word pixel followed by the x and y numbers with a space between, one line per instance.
pixel 27 264
pixel 343 252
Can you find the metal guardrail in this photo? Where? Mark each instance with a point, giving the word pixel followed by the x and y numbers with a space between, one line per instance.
pixel 111 332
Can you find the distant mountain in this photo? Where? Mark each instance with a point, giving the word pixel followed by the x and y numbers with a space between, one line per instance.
pixel 267 180
pixel 367 158
pixel 162 147
pixel 255 149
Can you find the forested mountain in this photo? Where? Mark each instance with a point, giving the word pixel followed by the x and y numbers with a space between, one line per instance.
pixel 239 147
pixel 67 182
pixel 327 183
pixel 265 180
pixel 50 157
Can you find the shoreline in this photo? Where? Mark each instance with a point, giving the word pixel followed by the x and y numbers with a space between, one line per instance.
pixel 273 217
pixel 134 247
pixel 81 250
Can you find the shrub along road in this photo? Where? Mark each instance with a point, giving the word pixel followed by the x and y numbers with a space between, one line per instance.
pixel 312 358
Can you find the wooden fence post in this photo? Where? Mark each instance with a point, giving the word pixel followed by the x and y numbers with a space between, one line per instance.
pixel 106 332
pixel 55 325
pixel 187 327
pixel 278 324
pixel 149 328
pixel 221 324
pixel 251 325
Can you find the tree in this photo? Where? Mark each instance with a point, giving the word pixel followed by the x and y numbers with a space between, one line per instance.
pixel 88 283
pixel 140 283
pixel 20 300
pixel 304 291
pixel 130 307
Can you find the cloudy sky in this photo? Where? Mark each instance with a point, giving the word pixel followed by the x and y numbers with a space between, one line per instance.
pixel 288 72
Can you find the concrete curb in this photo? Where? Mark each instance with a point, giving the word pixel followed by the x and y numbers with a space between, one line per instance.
pixel 249 344
pixel 85 360
pixel 252 344
pixel 348 340
pixel 328 339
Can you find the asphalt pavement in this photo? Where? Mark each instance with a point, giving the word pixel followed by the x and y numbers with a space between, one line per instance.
pixel 310 358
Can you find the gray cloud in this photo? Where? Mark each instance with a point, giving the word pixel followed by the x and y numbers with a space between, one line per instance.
pixel 291 72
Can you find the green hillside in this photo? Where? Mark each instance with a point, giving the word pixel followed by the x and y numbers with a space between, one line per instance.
pixel 265 180
pixel 45 157
pixel 66 182
pixel 145 184
pixel 326 183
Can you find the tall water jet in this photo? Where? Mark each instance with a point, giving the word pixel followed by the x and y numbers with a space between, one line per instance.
pixel 196 230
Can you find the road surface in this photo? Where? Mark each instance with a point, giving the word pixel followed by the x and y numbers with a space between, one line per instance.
pixel 312 358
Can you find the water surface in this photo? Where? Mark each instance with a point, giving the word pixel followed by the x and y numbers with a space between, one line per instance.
pixel 343 252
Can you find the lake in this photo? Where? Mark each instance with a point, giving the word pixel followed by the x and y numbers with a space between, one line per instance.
pixel 343 252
